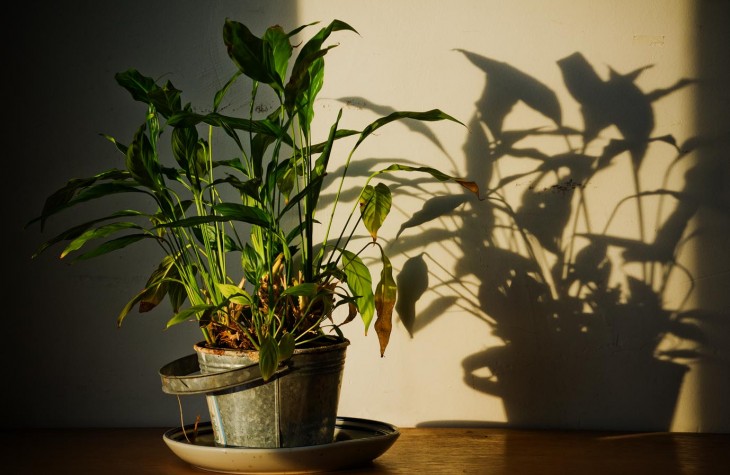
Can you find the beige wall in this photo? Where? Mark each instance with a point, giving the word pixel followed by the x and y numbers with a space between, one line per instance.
pixel 574 372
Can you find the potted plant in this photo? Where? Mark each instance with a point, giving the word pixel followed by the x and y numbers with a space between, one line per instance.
pixel 247 253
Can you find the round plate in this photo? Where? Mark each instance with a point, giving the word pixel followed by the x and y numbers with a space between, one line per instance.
pixel 356 442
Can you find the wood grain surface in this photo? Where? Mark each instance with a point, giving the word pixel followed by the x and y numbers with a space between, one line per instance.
pixel 421 451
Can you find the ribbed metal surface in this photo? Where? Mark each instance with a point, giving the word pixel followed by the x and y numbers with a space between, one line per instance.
pixel 293 409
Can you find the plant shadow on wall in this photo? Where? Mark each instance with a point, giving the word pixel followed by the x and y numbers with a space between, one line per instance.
pixel 577 253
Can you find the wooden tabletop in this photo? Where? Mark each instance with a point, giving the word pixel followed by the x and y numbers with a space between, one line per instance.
pixel 422 451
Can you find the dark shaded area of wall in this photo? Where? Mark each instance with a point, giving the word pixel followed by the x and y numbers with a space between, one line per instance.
pixel 713 122
pixel 66 363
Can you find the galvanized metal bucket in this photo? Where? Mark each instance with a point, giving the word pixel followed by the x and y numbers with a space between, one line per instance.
pixel 296 407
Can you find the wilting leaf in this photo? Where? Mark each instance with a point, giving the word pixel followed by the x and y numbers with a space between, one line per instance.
pixel 385 296
pixel 157 285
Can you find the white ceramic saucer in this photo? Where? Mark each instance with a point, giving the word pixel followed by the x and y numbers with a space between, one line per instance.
pixel 356 442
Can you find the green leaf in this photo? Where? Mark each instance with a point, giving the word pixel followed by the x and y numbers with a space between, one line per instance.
pixel 286 347
pixel 235 294
pixel 230 290
pixel 166 99
pixel 130 305
pixel 315 79
pixel 260 143
pixel 120 146
pixel 316 41
pixel 103 190
pixel 310 85
pixel 428 116
pixel 249 188
pixel 251 262
pixel 79 190
pixel 234 163
pixel 114 245
pixel 314 185
pixel 100 232
pixel 224 90
pixel 247 214
pixel 247 52
pixel 212 235
pixel 296 231
pixel 243 299
pixel 268 357
pixel 157 285
pixel 339 134
pixel 188 313
pixel 228 212
pixel 375 205
pixel 176 291
pixel 439 175
pixel 141 160
pixel 286 177
pixel 361 285
pixel 304 77
pixel 184 145
pixel 305 289
pixel 77 230
pixel 278 51
pixel 262 126
pixel 304 84
pixel 136 84
pixel 320 168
